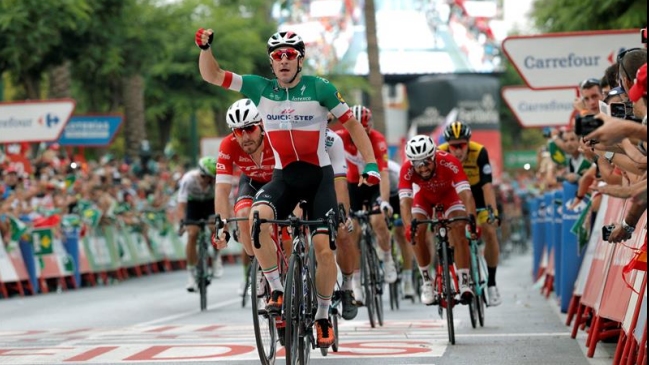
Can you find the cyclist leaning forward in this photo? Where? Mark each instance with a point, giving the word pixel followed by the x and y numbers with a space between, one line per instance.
pixel 248 149
pixel 294 112
pixel 195 202
pixel 428 178
pixel 475 162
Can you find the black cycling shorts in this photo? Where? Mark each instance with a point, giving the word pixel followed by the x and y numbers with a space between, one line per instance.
pixel 199 209
pixel 360 194
pixel 300 181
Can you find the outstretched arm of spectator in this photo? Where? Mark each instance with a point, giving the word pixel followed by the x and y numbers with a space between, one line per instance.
pixel 634 154
pixel 615 130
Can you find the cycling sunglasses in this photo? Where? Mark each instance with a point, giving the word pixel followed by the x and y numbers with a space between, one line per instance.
pixel 457 146
pixel 620 58
pixel 248 129
pixel 421 163
pixel 289 53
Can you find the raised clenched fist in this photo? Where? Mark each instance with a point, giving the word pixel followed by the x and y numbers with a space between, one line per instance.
pixel 204 38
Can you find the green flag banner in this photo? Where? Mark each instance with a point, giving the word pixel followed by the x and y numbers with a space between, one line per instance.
pixel 18 228
pixel 581 228
pixel 43 240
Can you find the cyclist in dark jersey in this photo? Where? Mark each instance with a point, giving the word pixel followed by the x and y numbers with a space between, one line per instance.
pixel 475 162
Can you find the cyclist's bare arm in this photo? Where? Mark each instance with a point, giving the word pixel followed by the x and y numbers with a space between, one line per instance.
pixel 222 199
pixel 342 193
pixel 467 200
pixel 208 66
pixel 361 140
pixel 180 210
pixel 489 196
pixel 385 185
pixel 405 206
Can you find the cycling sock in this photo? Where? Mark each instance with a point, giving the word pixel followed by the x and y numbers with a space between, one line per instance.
pixel 491 281
pixel 357 278
pixel 272 276
pixel 425 274
pixel 347 281
pixel 323 307
pixel 407 274
pixel 463 276
pixel 387 255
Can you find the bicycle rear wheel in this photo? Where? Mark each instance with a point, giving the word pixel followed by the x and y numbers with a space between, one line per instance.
pixel 378 288
pixel 310 308
pixel 292 303
pixel 448 293
pixel 264 324
pixel 249 279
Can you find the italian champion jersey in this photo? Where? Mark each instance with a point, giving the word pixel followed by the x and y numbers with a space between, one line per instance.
pixel 294 119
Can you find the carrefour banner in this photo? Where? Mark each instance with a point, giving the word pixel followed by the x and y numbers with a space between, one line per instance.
pixel 34 121
pixel 91 130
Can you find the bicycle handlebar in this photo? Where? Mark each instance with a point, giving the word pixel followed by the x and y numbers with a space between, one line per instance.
pixel 437 222
pixel 295 222
pixel 220 224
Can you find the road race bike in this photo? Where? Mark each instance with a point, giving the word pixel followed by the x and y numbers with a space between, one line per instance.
pixel 446 281
pixel 372 279
pixel 300 301
pixel 203 273
pixel 479 276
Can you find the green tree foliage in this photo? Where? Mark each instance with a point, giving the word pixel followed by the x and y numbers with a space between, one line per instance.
pixel 579 15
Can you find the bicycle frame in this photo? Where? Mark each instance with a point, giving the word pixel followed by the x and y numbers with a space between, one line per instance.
pixel 299 294
pixel 202 272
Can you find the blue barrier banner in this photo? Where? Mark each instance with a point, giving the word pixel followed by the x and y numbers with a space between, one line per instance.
pixel 27 252
pixel 556 239
pixel 548 202
pixel 537 235
pixel 570 258
pixel 71 244
pixel 90 130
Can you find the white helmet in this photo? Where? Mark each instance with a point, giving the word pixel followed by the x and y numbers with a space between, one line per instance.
pixel 285 39
pixel 420 147
pixel 242 114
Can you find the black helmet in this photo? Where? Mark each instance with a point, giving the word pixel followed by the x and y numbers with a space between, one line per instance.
pixel 457 130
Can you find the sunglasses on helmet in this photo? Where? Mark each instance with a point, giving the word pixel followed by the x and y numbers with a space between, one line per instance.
pixel 588 83
pixel 289 53
pixel 247 129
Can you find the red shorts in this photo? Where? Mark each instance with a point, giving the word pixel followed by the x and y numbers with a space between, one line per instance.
pixel 423 203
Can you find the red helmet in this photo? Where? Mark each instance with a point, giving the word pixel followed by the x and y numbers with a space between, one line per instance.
pixel 362 114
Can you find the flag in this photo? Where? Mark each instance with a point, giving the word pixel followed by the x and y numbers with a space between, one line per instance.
pixel 638 262
pixel 91 216
pixel 18 228
pixel 581 227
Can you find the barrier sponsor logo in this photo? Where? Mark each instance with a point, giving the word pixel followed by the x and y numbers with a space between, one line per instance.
pixel 91 130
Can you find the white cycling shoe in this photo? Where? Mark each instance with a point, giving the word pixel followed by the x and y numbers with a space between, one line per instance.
pixel 389 272
pixel 428 295
pixel 494 296
pixel 191 283
pixel 408 290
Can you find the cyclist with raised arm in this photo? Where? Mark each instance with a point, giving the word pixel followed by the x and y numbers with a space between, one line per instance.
pixel 294 113
pixel 196 202
pixel 475 162
pixel 248 149
pixel 377 196
pixel 399 232
pixel 428 178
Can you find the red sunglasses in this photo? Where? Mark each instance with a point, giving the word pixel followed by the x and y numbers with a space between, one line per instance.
pixel 249 130
pixel 289 53
pixel 457 146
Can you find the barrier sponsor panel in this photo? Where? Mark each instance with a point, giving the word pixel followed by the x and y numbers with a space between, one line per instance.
pixel 570 260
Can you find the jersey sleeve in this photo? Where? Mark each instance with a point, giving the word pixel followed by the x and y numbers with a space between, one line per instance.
pixel 460 181
pixel 405 181
pixel 336 151
pixel 380 148
pixel 251 86
pixel 331 99
pixel 485 168
pixel 224 164
pixel 183 191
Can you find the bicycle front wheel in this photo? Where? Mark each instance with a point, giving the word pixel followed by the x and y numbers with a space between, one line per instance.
pixel 264 324
pixel 448 293
pixel 293 293
pixel 201 272
pixel 366 281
